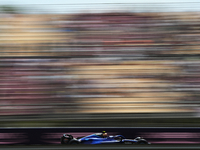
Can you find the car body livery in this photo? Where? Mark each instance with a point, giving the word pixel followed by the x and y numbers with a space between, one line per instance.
pixel 96 138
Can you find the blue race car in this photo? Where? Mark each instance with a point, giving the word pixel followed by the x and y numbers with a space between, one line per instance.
pixel 97 138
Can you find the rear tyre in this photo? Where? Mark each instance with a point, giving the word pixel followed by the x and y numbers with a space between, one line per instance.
pixel 61 140
pixel 64 140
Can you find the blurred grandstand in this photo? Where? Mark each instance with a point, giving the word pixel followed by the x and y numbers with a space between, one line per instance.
pixel 99 66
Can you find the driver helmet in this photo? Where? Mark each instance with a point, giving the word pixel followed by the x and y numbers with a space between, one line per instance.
pixel 104 134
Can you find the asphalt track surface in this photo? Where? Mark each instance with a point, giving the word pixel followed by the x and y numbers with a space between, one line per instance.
pixel 102 147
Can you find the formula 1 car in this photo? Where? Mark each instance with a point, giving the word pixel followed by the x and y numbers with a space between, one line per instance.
pixel 96 138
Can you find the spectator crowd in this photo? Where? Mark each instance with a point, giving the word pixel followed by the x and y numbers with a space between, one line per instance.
pixel 99 63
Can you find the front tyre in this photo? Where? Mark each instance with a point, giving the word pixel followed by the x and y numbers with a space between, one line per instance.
pixel 142 142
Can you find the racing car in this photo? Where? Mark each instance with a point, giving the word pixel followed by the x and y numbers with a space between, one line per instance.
pixel 97 138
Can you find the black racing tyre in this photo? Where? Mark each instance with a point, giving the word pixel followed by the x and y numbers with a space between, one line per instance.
pixel 64 140
pixel 142 142
pixel 61 140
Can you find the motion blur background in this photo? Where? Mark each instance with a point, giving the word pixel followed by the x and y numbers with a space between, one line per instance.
pixel 125 64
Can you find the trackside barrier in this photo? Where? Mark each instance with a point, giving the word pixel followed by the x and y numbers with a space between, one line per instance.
pixel 31 136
